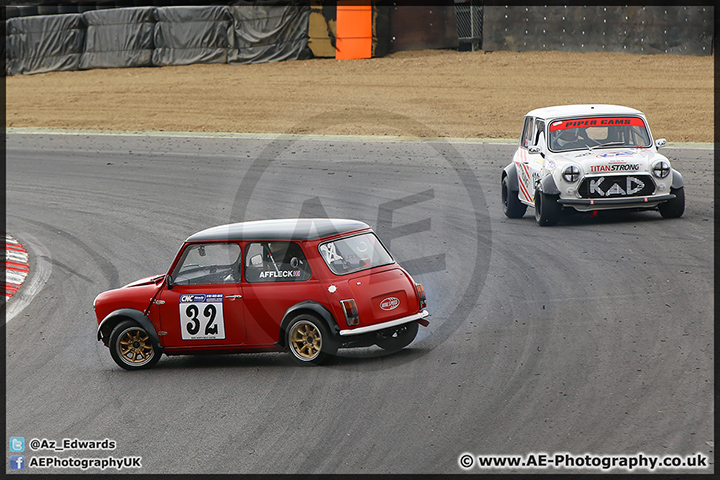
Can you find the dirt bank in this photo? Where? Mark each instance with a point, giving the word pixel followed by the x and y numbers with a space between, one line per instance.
pixel 430 93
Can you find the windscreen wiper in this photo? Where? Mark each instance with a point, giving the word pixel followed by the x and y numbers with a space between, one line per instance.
pixel 609 144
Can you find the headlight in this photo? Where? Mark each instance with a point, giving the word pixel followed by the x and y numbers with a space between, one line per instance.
pixel 661 169
pixel 571 174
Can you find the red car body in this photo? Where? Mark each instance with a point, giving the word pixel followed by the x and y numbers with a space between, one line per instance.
pixel 308 286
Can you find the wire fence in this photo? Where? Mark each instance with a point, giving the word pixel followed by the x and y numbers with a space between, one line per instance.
pixel 469 23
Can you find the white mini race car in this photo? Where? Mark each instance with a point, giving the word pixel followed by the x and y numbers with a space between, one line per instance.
pixel 589 158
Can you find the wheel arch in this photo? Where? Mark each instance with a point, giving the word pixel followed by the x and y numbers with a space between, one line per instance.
pixel 548 186
pixel 309 307
pixel 677 180
pixel 111 320
pixel 511 173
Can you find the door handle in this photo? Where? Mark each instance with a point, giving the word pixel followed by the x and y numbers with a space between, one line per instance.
pixel 232 297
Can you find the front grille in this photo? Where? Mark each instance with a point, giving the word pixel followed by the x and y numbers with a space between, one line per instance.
pixel 614 186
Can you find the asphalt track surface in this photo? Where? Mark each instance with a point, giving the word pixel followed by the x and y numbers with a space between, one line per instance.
pixel 594 336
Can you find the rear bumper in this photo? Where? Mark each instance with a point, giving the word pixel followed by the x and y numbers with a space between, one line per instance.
pixel 384 325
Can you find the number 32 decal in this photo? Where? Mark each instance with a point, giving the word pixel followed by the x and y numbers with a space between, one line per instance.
pixel 201 317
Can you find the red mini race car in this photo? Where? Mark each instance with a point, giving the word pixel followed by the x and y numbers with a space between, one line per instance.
pixel 309 286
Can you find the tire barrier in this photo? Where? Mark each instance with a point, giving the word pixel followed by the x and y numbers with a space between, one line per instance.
pixel 44 43
pixel 16 266
pixel 283 36
pixel 121 37
pixel 188 35
pixel 155 36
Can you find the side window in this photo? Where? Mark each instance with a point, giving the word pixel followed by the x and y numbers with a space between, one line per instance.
pixel 526 136
pixel 275 262
pixel 208 264
pixel 539 128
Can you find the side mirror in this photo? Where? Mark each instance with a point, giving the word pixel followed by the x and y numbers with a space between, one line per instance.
pixel 169 281
pixel 536 150
pixel 659 143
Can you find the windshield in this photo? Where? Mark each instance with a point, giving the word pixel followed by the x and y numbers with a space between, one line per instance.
pixel 599 132
pixel 352 254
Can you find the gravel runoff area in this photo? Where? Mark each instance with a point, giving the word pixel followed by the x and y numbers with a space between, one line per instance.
pixel 427 93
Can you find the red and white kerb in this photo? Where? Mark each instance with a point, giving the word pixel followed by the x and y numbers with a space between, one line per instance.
pixel 16 266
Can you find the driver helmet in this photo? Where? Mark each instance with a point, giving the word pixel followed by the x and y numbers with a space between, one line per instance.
pixel 569 135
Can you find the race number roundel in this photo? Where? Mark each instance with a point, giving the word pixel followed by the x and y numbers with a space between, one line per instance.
pixel 201 317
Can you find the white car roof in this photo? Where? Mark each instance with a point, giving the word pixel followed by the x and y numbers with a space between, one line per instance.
pixel 581 110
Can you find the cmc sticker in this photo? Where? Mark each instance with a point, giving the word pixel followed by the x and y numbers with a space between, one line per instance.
pixel 390 303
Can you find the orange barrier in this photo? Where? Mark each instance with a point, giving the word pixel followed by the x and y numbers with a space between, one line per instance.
pixel 354 30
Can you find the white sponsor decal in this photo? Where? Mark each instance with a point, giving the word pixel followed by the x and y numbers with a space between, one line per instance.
pixel 201 316
pixel 390 303
pixel 280 274
pixel 632 185
pixel 633 167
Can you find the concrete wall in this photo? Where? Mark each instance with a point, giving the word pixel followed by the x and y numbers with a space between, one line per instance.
pixel 630 29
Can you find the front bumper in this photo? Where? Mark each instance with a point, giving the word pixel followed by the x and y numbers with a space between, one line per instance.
pixel 384 325
pixel 623 202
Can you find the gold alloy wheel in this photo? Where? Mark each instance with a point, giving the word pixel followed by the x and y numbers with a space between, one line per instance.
pixel 135 346
pixel 305 340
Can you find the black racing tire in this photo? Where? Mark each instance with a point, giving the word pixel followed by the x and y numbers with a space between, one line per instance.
pixel 547 209
pixel 397 339
pixel 309 340
pixel 131 347
pixel 512 206
pixel 676 207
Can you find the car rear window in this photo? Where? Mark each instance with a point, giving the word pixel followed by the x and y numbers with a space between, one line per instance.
pixel 352 254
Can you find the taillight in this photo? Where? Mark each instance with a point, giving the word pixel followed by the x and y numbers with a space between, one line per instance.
pixel 421 295
pixel 351 312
